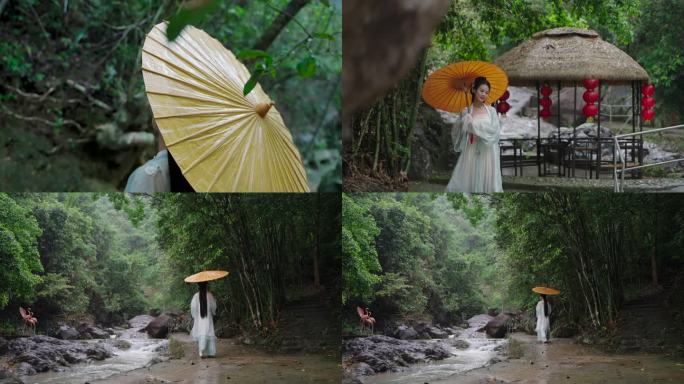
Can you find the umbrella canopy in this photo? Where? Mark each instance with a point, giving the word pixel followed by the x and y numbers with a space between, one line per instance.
pixel 444 88
pixel 222 141
pixel 569 54
pixel 205 276
pixel 545 291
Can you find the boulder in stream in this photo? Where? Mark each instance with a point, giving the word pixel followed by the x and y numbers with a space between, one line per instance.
pixel 45 353
pixel 405 332
pixel 498 326
pixel 159 327
pixel 66 332
pixel 90 331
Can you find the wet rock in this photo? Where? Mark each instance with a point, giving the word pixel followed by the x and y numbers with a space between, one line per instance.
pixel 436 333
pixel 66 332
pixel 140 321
pixel 89 331
pixel 460 344
pixel 159 327
pixel 384 353
pixel 121 344
pixel 45 353
pixel 363 369
pixel 498 326
pixel 10 377
pixel 25 369
pixel 405 332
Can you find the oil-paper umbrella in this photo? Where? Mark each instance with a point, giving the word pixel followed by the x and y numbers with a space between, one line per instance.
pixel 203 276
pixel 545 291
pixel 222 140
pixel 444 88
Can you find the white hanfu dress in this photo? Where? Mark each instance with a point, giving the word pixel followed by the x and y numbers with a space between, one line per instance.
pixel 478 169
pixel 153 176
pixel 203 328
pixel 543 324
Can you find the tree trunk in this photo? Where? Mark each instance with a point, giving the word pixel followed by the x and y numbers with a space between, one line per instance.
pixel 414 109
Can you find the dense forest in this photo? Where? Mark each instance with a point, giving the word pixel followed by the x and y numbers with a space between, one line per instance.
pixel 107 257
pixel 447 257
pixel 73 110
pixel 378 156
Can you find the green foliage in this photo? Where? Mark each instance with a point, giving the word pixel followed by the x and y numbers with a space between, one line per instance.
pixel 360 266
pixel 19 258
pixel 189 15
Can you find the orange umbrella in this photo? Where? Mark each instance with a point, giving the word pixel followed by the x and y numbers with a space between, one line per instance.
pixel 545 291
pixel 444 88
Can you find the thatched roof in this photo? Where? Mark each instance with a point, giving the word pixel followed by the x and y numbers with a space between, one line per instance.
pixel 568 54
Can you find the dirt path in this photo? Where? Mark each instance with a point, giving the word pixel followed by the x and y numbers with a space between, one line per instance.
pixel 562 361
pixel 235 364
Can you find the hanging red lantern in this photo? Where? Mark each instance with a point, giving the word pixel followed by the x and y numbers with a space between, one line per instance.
pixel 647 102
pixel 647 114
pixel 590 110
pixel 590 96
pixel 505 96
pixel 544 113
pixel 590 83
pixel 545 102
pixel 503 107
pixel 546 90
pixel 647 90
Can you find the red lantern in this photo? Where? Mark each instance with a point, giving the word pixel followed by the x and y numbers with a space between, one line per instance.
pixel 503 107
pixel 590 96
pixel 545 102
pixel 546 90
pixel 647 90
pixel 647 114
pixel 505 96
pixel 544 113
pixel 647 102
pixel 590 110
pixel 591 83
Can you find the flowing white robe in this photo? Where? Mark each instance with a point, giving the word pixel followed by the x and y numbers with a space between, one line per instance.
pixel 203 328
pixel 478 169
pixel 543 323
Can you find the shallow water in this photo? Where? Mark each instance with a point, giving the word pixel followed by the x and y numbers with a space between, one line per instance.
pixel 478 354
pixel 140 354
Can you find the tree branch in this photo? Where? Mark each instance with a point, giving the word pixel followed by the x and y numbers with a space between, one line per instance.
pixel 279 24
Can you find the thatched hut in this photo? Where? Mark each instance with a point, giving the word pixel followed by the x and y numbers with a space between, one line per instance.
pixel 567 56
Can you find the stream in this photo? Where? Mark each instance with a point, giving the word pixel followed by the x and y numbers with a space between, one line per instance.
pixel 143 352
pixel 480 352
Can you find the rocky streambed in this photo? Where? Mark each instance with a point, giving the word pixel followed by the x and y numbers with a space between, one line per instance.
pixel 421 353
pixel 85 352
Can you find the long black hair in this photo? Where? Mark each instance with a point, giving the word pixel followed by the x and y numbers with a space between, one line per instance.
pixel 480 80
pixel 203 298
pixel 546 306
pixel 178 181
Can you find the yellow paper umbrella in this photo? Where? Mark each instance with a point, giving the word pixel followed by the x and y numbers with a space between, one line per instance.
pixel 205 276
pixel 444 88
pixel 545 291
pixel 222 141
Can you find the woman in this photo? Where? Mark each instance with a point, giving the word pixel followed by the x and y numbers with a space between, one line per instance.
pixel 476 137
pixel 203 310
pixel 543 323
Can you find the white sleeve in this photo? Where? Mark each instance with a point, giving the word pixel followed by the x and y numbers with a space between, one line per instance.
pixel 212 304
pixel 194 306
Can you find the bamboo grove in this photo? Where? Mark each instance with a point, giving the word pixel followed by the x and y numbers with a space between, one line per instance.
pixel 381 141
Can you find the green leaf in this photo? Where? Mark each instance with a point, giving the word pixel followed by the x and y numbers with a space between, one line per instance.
pixel 187 16
pixel 325 36
pixel 307 67
pixel 251 83
pixel 253 54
